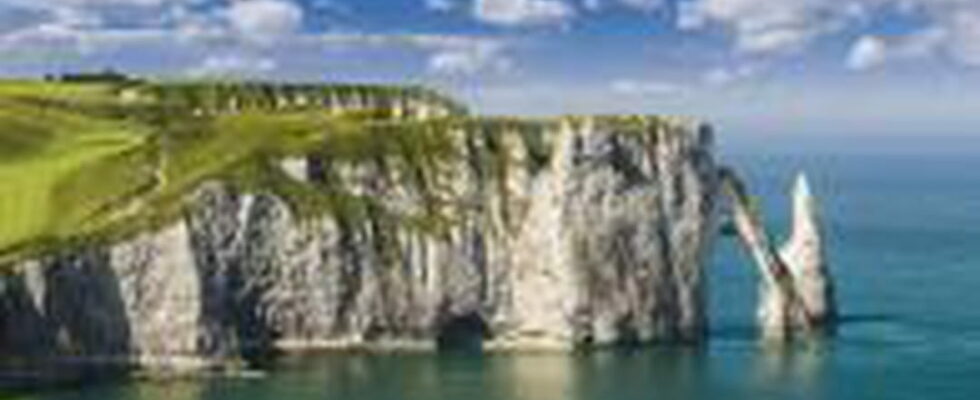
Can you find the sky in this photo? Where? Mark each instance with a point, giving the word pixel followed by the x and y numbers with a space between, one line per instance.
pixel 760 68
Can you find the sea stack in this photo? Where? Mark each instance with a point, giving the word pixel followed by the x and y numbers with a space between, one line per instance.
pixel 804 254
pixel 801 302
pixel 796 296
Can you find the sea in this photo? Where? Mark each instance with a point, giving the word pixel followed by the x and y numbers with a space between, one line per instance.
pixel 903 233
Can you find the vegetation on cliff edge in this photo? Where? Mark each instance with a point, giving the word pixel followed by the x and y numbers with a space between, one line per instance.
pixel 97 160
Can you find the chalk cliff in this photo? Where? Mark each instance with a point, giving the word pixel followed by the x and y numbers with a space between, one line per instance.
pixel 411 226
pixel 501 234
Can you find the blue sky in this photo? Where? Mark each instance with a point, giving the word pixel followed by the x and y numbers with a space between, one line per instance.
pixel 756 67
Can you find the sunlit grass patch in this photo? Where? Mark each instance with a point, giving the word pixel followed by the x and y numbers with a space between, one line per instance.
pixel 47 150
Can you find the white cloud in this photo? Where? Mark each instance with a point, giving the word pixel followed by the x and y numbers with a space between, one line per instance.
pixel 85 16
pixel 522 12
pixel 690 17
pixel 99 3
pixel 17 18
pixel 448 54
pixel 868 52
pixel 440 5
pixel 645 88
pixel 727 75
pixel 181 36
pixel 118 2
pixel 224 52
pixel 417 41
pixel 265 17
pixel 470 59
pixel 644 4
pixel 871 52
pixel 963 29
pixel 769 27
pixel 953 30
pixel 233 65
pixel 592 5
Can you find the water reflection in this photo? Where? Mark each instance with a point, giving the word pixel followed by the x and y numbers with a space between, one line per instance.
pixel 623 375
pixel 537 376
pixel 172 390
pixel 649 373
pixel 798 370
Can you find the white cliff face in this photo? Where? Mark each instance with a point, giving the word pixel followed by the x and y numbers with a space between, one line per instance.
pixel 607 253
pixel 599 242
pixel 159 288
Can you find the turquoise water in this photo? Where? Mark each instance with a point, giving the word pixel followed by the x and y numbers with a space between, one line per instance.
pixel 904 236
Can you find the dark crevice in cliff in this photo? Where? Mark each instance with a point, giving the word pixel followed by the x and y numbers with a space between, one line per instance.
pixel 88 314
pixel 462 333
pixel 75 330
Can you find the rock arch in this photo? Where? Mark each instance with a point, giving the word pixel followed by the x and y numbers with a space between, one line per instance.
pixel 796 290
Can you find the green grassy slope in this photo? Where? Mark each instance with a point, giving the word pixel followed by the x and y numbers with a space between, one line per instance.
pixel 42 149
pixel 97 161
pixel 81 160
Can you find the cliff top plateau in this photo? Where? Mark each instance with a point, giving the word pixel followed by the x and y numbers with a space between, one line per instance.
pixel 86 160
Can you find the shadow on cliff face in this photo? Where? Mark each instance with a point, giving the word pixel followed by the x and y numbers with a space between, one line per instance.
pixel 65 322
pixel 84 307
pixel 462 333
pixel 23 332
pixel 230 313
pixel 231 286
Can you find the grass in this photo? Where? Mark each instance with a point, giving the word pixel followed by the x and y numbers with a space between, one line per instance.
pixel 81 161
pixel 86 161
pixel 44 149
